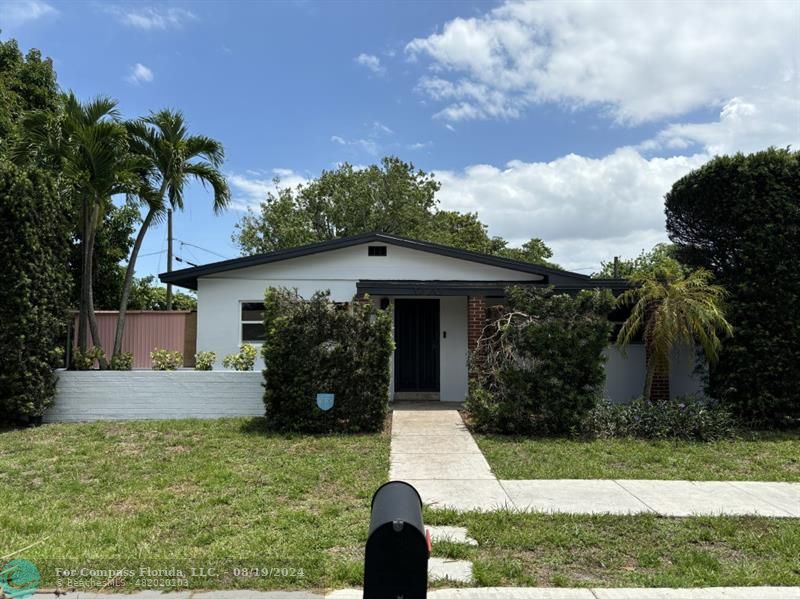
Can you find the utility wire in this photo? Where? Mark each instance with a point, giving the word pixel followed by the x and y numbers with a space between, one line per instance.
pixel 201 248
pixel 152 253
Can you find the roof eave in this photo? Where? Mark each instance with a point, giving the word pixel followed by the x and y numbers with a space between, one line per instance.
pixel 188 277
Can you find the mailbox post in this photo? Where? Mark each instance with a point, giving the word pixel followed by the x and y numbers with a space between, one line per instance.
pixel 396 556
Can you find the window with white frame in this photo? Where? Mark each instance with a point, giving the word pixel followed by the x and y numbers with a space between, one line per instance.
pixel 252 322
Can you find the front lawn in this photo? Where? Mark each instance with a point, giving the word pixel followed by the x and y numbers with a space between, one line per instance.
pixel 219 494
pixel 516 549
pixel 249 509
pixel 755 456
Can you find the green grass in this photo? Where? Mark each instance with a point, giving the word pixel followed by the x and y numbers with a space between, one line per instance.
pixel 756 456
pixel 225 494
pixel 516 549
pixel 220 493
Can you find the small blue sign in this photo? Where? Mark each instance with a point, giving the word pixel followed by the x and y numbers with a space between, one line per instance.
pixel 324 401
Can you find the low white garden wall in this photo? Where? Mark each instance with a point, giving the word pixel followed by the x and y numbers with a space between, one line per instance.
pixel 625 373
pixel 153 395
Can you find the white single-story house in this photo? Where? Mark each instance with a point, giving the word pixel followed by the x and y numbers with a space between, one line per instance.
pixel 440 295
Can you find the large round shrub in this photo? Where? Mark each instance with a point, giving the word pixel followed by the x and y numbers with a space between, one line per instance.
pixel 739 217
pixel 316 346
pixel 539 366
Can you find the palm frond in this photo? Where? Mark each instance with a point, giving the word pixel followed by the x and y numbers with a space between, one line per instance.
pixel 673 306
pixel 205 147
pixel 208 175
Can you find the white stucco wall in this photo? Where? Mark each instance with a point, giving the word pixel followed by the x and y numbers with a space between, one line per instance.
pixel 84 396
pixel 219 296
pixel 625 374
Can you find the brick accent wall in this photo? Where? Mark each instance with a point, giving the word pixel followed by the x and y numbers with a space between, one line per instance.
pixel 476 320
pixel 659 388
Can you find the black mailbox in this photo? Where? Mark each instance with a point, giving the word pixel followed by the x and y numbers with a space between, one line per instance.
pixel 398 547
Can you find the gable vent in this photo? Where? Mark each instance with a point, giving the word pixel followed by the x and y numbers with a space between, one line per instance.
pixel 376 250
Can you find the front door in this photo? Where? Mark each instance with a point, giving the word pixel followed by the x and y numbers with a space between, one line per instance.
pixel 416 336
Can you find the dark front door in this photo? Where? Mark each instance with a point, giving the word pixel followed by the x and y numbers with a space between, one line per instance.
pixel 416 336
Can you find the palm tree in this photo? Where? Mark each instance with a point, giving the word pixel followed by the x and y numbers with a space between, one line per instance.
pixel 172 157
pixel 88 144
pixel 673 306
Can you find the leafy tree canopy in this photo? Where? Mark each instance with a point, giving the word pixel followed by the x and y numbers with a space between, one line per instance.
pixel 739 217
pixel 392 197
pixel 146 294
pixel 643 263
pixel 27 83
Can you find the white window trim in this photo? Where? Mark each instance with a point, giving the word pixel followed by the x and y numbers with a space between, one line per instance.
pixel 243 322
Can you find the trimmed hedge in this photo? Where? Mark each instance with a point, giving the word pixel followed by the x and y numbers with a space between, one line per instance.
pixel 315 346
pixel 739 217
pixel 34 287
pixel 538 368
pixel 685 418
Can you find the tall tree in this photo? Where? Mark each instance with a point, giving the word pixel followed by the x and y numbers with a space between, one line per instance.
pixel 392 197
pixel 646 260
pixel 672 306
pixel 147 295
pixel 739 217
pixel 88 144
pixel 111 247
pixel 534 250
pixel 171 157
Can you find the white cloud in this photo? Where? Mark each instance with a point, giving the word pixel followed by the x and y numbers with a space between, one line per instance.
pixel 639 61
pixel 250 191
pixel 368 145
pixel 372 62
pixel 586 209
pixel 139 74
pixel 420 145
pixel 636 62
pixel 379 128
pixel 746 124
pixel 16 13
pixel 150 18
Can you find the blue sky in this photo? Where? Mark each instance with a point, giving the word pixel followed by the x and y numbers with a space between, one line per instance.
pixel 561 120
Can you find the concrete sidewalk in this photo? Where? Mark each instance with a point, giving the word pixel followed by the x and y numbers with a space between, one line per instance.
pixel 433 450
pixel 630 593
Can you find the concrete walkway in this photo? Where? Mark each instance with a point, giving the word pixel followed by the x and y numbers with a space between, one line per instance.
pixel 433 450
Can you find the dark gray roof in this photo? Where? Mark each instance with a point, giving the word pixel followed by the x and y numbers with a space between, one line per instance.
pixel 187 277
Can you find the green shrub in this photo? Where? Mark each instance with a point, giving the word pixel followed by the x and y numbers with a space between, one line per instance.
pixel 538 368
pixel 244 360
pixel 165 359
pixel 686 418
pixel 122 361
pixel 313 346
pixel 86 360
pixel 739 217
pixel 204 360
pixel 34 285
